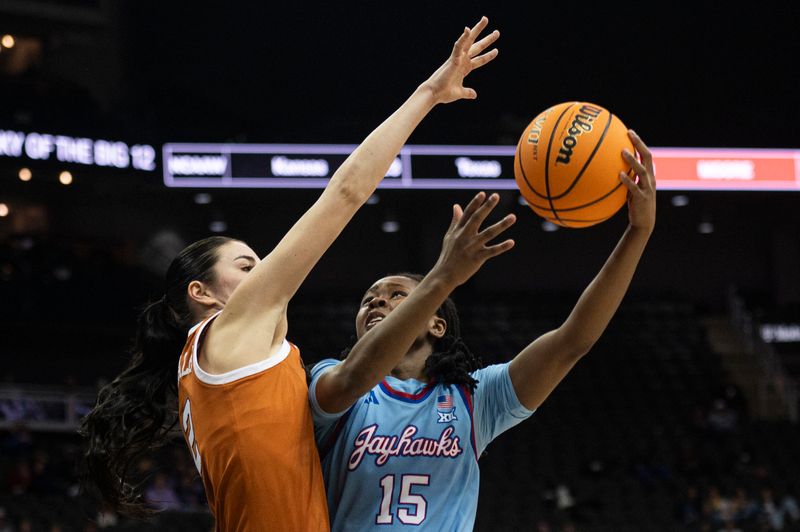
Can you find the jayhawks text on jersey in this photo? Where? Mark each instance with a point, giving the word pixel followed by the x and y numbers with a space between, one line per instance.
pixel 406 453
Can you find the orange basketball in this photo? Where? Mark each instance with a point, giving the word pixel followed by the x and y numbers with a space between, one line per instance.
pixel 568 161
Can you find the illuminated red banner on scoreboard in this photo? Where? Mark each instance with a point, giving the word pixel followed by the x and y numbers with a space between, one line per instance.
pixel 727 169
pixel 457 167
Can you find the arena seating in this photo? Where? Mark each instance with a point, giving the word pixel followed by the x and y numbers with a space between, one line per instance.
pixel 615 447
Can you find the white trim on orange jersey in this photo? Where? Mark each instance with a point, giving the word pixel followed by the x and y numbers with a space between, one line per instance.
pixel 239 373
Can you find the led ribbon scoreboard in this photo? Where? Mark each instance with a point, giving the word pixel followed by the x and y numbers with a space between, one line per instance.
pixel 457 167
pixel 415 167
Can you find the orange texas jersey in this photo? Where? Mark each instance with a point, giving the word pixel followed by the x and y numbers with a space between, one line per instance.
pixel 251 435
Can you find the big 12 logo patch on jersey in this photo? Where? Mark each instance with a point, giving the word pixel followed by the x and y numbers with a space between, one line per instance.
pixel 445 408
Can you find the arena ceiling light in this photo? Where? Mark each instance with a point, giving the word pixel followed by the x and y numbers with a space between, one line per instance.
pixel 202 198
pixel 680 200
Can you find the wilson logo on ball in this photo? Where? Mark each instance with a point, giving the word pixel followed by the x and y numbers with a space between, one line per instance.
pixel 581 123
pixel 568 161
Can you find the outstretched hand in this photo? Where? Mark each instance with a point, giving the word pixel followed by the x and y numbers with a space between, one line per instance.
pixel 466 247
pixel 446 83
pixel 642 191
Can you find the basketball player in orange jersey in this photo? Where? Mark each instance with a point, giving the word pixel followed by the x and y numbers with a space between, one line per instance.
pixel 242 394
pixel 404 454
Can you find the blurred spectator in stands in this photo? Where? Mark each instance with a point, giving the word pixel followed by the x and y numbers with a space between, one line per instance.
pixel 549 500
pixel 745 507
pixel 558 502
pixel 188 484
pixel 190 489
pixel 5 526
pixel 106 519
pixel 565 501
pixel 730 526
pixel 791 503
pixel 734 397
pixel 775 512
pixel 42 482
pixel 568 527
pixel 722 418
pixel 568 509
pixel 690 508
pixel 146 467
pixel 160 495
pixel 651 466
pixel 747 460
pixel 690 464
pixel 718 507
pixel 19 480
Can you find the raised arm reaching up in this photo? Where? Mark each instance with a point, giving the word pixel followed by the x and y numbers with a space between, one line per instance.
pixel 465 249
pixel 255 312
pixel 221 323
pixel 538 368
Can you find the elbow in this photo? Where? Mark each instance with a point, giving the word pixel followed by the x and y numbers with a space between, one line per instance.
pixel 570 355
pixel 581 351
pixel 351 382
pixel 361 382
pixel 575 348
pixel 349 189
pixel 580 347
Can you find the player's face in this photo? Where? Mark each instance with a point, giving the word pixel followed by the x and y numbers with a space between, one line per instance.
pixel 234 262
pixel 381 299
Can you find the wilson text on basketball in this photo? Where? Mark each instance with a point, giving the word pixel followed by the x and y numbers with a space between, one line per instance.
pixel 582 122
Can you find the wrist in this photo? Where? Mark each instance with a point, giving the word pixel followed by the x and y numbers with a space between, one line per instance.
pixel 427 93
pixel 640 231
pixel 440 278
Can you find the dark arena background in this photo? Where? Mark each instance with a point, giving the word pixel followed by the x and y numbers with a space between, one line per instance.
pixel 684 416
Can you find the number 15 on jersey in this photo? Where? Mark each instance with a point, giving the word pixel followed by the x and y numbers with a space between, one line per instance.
pixel 411 506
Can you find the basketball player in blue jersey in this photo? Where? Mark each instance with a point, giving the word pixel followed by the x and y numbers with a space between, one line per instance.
pixel 404 453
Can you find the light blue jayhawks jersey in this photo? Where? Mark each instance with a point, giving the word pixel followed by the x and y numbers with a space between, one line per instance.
pixel 405 455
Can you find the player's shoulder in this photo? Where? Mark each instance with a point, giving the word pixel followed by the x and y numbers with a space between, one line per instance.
pixel 491 371
pixel 323 365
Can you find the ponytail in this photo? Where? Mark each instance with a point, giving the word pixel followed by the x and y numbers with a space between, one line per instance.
pixel 136 412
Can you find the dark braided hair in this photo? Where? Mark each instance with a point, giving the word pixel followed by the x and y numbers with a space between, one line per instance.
pixel 136 412
pixel 451 361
